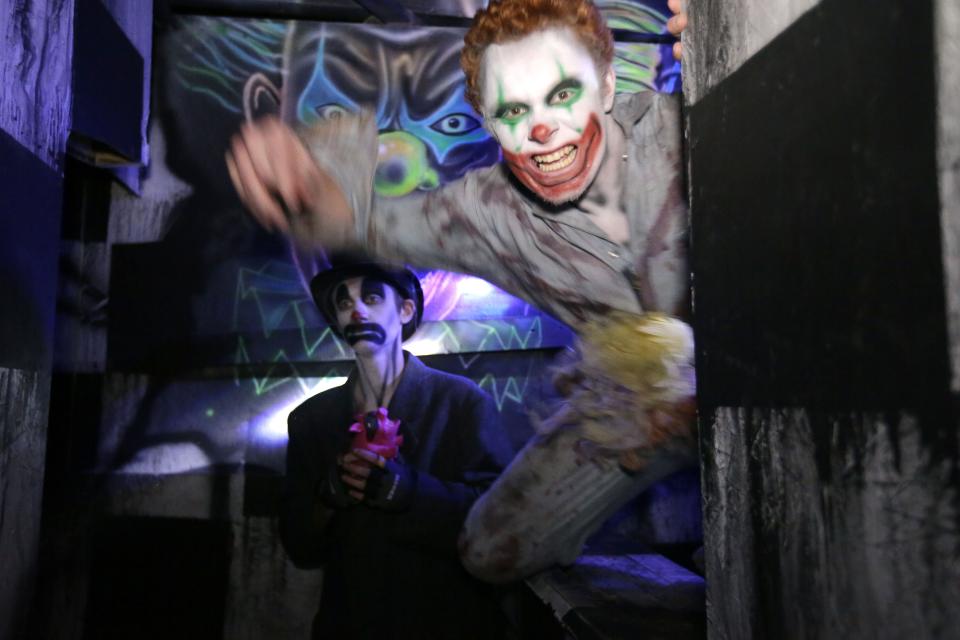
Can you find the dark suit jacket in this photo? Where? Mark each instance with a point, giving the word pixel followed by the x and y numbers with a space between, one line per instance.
pixel 397 575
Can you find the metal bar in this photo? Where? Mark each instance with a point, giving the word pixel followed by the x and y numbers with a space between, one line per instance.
pixel 389 11
pixel 623 35
pixel 271 10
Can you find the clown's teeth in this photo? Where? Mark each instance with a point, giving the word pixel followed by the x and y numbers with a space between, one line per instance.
pixel 562 163
pixel 556 155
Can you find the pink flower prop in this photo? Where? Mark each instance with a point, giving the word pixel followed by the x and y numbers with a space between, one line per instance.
pixel 385 442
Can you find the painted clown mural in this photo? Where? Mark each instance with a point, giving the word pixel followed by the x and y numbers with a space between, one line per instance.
pixel 429 135
pixel 410 78
pixel 233 299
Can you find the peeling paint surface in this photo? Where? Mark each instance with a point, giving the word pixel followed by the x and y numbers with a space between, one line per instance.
pixel 724 35
pixel 947 26
pixel 35 72
pixel 861 542
pixel 23 430
pixel 827 343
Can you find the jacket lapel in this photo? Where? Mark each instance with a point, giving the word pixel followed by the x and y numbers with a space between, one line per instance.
pixel 408 402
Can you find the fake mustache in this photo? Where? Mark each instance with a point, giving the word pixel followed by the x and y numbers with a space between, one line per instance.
pixel 369 331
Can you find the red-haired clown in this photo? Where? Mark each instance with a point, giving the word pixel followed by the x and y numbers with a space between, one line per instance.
pixel 584 218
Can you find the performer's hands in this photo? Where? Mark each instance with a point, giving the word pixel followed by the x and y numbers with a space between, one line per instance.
pixel 379 483
pixel 275 176
pixel 677 24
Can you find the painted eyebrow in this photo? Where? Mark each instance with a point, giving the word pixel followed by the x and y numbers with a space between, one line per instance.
pixel 340 294
pixel 373 286
pixel 567 83
pixel 506 106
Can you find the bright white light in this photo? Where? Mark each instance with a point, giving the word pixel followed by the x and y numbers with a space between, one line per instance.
pixel 326 383
pixel 176 457
pixel 272 428
pixel 424 346
pixel 474 287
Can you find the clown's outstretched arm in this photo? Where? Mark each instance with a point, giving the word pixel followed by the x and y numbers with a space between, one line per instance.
pixel 480 224
pixel 316 185
pixel 279 182
pixel 274 175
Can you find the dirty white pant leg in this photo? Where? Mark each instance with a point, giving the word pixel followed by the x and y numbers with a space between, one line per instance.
pixel 546 504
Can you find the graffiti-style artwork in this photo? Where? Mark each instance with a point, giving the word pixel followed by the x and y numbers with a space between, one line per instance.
pixel 410 78
pixel 642 67
pixel 232 300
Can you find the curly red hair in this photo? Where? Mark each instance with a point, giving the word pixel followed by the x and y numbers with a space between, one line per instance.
pixel 508 20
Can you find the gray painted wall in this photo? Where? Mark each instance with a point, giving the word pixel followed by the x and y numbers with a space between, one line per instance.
pixel 721 36
pixel 34 112
pixel 827 515
pixel 35 116
pixel 35 75
pixel 23 437
pixel 947 33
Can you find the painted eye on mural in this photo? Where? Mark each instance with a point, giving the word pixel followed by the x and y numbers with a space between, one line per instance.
pixel 330 111
pixel 456 124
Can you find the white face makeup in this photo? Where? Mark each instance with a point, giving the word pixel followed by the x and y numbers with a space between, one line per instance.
pixel 544 101
pixel 367 314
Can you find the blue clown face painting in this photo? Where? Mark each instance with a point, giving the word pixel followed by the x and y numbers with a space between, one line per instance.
pixel 411 80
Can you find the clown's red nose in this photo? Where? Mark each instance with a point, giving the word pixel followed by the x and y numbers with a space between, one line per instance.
pixel 541 133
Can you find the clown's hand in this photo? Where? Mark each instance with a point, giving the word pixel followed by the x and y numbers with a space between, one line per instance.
pixel 677 24
pixel 381 484
pixel 281 184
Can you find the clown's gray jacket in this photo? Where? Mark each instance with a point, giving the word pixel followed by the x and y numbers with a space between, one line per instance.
pixel 488 225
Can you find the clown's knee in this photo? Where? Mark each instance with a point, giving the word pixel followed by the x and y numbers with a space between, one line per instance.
pixel 492 558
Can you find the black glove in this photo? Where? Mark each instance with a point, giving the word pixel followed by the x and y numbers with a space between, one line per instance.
pixel 390 488
pixel 331 489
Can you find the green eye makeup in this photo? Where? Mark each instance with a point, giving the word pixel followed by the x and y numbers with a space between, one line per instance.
pixel 512 112
pixel 566 94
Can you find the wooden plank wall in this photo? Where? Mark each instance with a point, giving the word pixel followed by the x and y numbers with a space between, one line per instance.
pixel 35 75
pixel 825 256
pixel 947 33
pixel 35 114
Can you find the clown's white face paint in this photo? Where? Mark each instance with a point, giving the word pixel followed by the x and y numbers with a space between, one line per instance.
pixel 545 102
pixel 368 316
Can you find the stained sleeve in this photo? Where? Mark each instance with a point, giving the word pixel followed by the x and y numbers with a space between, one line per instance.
pixel 453 228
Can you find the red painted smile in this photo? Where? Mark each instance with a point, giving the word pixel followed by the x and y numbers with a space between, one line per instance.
pixel 563 173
